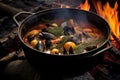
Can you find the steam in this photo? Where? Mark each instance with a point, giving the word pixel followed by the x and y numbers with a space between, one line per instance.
pixel 77 15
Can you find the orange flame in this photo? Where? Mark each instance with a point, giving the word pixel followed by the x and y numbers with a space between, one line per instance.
pixel 85 6
pixel 111 16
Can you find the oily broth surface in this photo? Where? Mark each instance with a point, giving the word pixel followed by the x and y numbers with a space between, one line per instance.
pixel 90 37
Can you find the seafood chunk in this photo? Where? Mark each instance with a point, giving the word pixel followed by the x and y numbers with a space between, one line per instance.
pixel 76 38
pixel 69 30
pixel 46 35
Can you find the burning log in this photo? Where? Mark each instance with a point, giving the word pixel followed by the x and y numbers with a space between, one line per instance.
pixel 115 38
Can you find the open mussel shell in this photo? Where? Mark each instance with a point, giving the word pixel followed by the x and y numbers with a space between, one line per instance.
pixel 69 30
pixel 68 47
pixel 46 35
pixel 64 51
pixel 71 51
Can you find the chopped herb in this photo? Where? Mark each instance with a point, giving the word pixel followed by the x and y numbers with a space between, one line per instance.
pixel 82 46
pixel 61 43
pixel 56 31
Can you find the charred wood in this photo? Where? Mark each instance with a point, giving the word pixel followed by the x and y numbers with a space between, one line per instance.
pixel 115 52
pixel 111 59
pixel 9 9
pixel 12 10
pixel 3 52
pixel 8 58
pixel 115 38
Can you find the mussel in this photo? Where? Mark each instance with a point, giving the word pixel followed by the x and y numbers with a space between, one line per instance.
pixel 69 47
pixel 69 30
pixel 46 35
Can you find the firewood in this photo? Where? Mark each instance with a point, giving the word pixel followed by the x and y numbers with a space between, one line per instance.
pixel 116 52
pixel 115 38
pixel 11 56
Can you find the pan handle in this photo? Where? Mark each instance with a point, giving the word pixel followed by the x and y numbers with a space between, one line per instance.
pixel 20 13
pixel 105 49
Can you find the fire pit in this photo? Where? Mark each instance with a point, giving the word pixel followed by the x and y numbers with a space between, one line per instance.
pixel 106 68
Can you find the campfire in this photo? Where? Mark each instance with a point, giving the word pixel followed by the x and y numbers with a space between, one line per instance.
pixel 110 14
pixel 107 12
pixel 107 69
